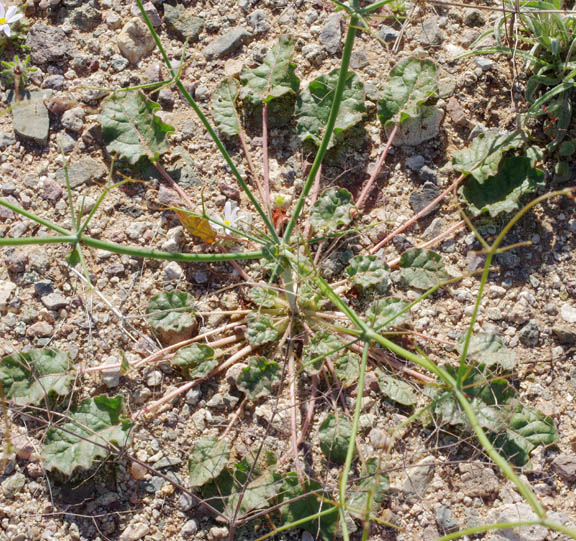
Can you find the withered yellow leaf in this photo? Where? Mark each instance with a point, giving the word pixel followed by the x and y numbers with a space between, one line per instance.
pixel 197 226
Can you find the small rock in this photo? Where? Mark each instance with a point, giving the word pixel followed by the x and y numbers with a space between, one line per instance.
pixel 43 287
pixel 478 480
pixel 30 117
pixel 168 196
pixel 13 485
pixel 416 162
pixel 422 198
pixel 48 44
pixel 564 334
pixel 517 512
pixel 379 438
pixel 315 54
pixel 111 377
pixel 434 229
pixel 154 378
pixel 565 467
pixel 166 98
pixel 7 289
pixel 418 477
pixel 86 17
pixel 113 20
pixel 40 329
pixel 358 60
pixel 568 313
pixel 218 532
pixel 134 532
pixel 182 22
pixel 73 119
pixel 65 142
pixel 167 462
pixel 82 171
pixel 331 34
pixel 227 44
pixel 445 520
pixel 16 261
pixel 23 446
pixel 193 396
pixel 118 63
pixel 185 502
pixel 474 17
pixel 529 335
pixel 151 11
pixel 485 64
pixel 388 34
pixel 456 113
pixel 6 140
pixel 257 22
pixel 429 33
pixel 135 41
pixel 173 271
pixel 54 301
pixel 190 528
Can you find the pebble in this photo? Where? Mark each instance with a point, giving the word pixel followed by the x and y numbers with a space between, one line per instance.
pixel 565 467
pixel 43 287
pixel 82 171
pixel 151 11
pixel 113 20
pixel 190 528
pixel 218 532
pixel 6 140
pixel 30 117
pixel 13 485
pixel 111 377
pixel 478 480
pixel 420 199
pixel 485 64
pixel 40 329
pixel 118 63
pixel 7 289
pixel 73 119
pixel 154 378
pixel 166 98
pixel 135 41
pixel 418 477
pixel 445 520
pixel 182 22
pixel 565 334
pixel 226 44
pixel 134 532
pixel 428 33
pixel 331 34
pixel 65 142
pixel 388 34
pixel 54 301
pixel 257 22
pixel 529 335
pixel 568 313
pixel 193 396
pixel 517 512
pixel 173 271
pixel 185 502
pixel 48 44
pixel 16 261
pixel 379 439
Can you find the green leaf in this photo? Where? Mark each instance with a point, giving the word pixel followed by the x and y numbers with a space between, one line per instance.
pixel 224 107
pixel 196 360
pixel 256 495
pixel 487 350
pixel 299 508
pixel 258 378
pixel 412 82
pixel 314 104
pixel 331 210
pixel 131 129
pixel 347 368
pixel 29 378
pixel 483 157
pixel 86 434
pixel 365 499
pixel 422 269
pixel 263 297
pixel 321 346
pixel 527 429
pixel 172 315
pixel 397 390
pixel 275 77
pixel 367 271
pixel 334 434
pixel 260 329
pixel 73 257
pixel 385 312
pixel 502 192
pixel 207 461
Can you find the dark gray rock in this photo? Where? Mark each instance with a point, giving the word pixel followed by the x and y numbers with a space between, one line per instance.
pixel 166 98
pixel 30 116
pixel 565 467
pixel 331 34
pixel 48 44
pixel 428 33
pixel 82 171
pixel 65 142
pixel 257 22
pixel 416 162
pixel 16 261
pixel 118 63
pixel 388 34
pixel 227 44
pixel 421 198
pixel 151 11
pixel 445 520
pixel 182 22
pixel 565 334
pixel 6 140
pixel 86 17
pixel 54 82
pixel 529 335
pixel 474 17
pixel 43 287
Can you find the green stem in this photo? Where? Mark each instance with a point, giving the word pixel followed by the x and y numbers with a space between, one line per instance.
pixel 352 442
pixel 505 525
pixel 338 92
pixel 208 126
pixel 37 240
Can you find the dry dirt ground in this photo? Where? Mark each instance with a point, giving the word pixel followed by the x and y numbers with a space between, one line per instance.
pixel 530 300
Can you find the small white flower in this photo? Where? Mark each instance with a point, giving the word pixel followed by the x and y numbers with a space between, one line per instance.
pixel 8 17
pixel 230 219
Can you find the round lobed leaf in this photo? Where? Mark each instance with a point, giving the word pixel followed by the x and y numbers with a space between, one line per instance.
pixel 331 210
pixel 172 315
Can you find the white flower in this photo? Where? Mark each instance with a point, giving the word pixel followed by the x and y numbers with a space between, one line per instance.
pixel 230 219
pixel 8 17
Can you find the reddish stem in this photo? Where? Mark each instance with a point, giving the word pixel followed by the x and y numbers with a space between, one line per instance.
pixel 265 165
